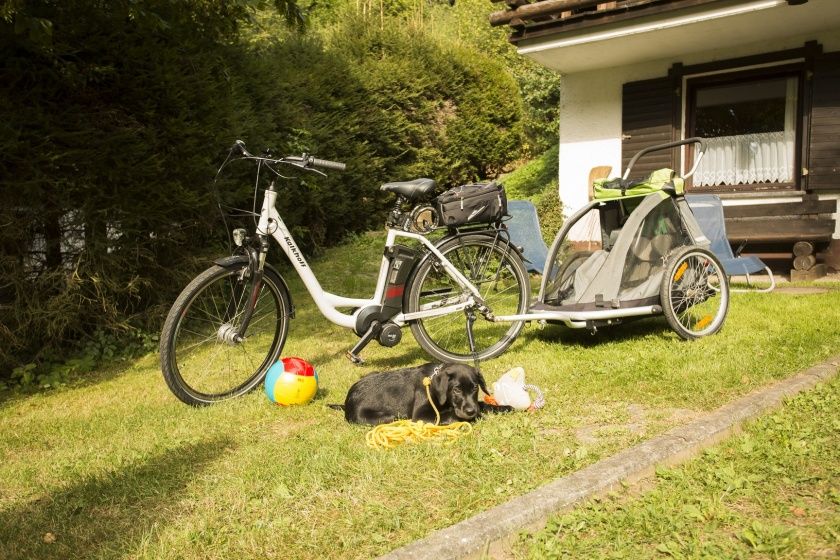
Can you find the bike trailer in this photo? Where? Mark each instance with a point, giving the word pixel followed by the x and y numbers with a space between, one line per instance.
pixel 652 254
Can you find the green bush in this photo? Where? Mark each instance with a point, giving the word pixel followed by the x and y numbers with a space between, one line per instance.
pixel 113 124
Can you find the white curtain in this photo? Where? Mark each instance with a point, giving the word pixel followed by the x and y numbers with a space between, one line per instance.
pixel 765 157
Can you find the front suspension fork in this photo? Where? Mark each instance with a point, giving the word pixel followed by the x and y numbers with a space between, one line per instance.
pixel 256 263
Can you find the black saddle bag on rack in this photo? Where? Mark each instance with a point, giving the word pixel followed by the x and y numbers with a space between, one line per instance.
pixel 482 203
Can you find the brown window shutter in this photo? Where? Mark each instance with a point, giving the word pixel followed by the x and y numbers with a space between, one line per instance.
pixel 824 139
pixel 647 115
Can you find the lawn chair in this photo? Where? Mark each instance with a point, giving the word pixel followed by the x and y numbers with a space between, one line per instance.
pixel 708 210
pixel 524 229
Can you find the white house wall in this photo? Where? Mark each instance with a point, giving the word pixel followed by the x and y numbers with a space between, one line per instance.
pixel 590 115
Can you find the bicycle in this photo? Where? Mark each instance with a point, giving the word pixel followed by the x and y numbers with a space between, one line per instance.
pixel 230 323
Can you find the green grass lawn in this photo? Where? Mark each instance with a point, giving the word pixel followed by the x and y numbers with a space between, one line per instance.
pixel 771 492
pixel 114 466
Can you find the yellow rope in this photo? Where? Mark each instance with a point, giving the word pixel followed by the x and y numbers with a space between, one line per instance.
pixel 402 431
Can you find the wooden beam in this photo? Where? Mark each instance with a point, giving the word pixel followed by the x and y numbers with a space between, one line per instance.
pixel 781 209
pixel 537 9
pixel 778 229
pixel 624 11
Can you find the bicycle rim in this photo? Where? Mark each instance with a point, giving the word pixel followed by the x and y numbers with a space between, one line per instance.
pixel 206 363
pixel 698 295
pixel 501 280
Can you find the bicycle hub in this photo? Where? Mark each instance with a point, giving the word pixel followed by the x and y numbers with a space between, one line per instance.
pixel 227 334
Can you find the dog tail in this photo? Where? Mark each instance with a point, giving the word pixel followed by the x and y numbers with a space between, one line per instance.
pixel 336 406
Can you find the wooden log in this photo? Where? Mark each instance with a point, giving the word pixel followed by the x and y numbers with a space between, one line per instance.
pixel 807 275
pixel 782 229
pixel 804 262
pixel 803 248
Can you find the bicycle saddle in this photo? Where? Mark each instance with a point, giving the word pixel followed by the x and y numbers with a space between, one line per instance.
pixel 412 190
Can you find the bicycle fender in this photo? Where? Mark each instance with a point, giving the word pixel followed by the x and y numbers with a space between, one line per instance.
pixel 439 244
pixel 234 261
pixel 231 261
pixel 487 232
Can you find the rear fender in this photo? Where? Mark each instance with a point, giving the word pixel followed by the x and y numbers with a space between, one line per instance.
pixel 452 240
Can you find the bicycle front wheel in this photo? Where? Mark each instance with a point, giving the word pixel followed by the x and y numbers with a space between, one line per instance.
pixel 201 359
pixel 492 266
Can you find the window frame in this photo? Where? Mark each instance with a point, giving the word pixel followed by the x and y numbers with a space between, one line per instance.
pixel 734 76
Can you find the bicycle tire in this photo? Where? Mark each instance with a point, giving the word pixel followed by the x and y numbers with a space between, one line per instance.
pixel 200 364
pixel 489 263
pixel 694 293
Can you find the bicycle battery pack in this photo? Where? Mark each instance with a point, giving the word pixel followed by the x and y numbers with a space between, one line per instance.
pixel 402 260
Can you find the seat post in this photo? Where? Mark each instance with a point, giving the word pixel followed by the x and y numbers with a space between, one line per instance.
pixel 396 212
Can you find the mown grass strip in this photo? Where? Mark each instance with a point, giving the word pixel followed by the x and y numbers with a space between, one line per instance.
pixel 771 492
pixel 114 466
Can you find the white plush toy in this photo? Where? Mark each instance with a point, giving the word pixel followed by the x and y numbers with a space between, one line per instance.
pixel 510 390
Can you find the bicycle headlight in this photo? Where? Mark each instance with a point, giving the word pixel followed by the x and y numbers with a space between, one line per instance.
pixel 239 235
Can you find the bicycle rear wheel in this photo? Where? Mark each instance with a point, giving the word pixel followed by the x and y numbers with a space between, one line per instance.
pixel 496 269
pixel 200 360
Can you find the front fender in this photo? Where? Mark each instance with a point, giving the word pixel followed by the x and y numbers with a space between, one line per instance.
pixel 235 261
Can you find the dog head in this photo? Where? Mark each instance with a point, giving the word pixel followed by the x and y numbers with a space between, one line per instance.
pixel 457 386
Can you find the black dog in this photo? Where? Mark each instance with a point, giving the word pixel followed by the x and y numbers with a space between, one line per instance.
pixel 386 396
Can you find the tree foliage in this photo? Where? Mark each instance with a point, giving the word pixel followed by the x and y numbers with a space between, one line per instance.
pixel 115 114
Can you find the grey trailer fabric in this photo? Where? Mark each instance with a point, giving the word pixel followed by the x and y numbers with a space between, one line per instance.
pixel 607 285
pixel 639 236
pixel 586 273
pixel 708 210
pixel 524 230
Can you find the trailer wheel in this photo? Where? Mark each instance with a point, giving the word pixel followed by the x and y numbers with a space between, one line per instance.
pixel 694 293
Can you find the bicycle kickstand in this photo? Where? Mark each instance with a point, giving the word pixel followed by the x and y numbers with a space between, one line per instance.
pixel 353 353
pixel 471 337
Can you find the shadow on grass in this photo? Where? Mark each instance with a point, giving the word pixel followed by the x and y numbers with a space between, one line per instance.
pixel 628 331
pixel 398 357
pixel 105 516
pixel 104 371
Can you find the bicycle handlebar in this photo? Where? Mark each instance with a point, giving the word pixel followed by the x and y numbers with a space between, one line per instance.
pixel 305 161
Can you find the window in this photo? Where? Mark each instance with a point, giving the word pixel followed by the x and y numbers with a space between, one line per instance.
pixel 751 126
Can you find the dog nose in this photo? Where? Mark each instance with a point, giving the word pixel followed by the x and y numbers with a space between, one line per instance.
pixel 470 411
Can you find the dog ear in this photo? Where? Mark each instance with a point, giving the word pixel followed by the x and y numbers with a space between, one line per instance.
pixel 482 383
pixel 440 387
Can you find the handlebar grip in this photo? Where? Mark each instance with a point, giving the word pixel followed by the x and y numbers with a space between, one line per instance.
pixel 327 164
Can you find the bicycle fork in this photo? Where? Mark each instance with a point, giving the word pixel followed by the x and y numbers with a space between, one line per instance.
pixel 251 279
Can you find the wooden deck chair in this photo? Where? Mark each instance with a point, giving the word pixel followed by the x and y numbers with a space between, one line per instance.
pixel 708 210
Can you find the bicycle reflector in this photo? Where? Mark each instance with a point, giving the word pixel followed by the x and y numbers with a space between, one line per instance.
pixel 239 235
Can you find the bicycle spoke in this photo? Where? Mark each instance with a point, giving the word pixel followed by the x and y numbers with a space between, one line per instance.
pixel 485 263
pixel 204 358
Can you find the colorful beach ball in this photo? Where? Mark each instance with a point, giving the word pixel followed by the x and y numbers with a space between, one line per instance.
pixel 291 381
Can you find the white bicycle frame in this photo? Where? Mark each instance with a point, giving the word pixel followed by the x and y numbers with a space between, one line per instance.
pixel 271 224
